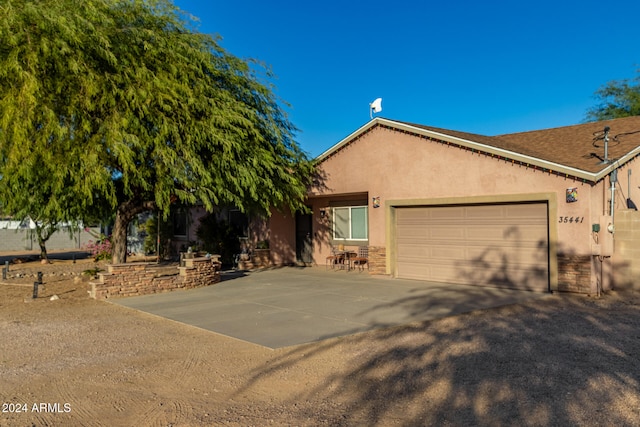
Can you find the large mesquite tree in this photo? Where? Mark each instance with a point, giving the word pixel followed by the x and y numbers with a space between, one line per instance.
pixel 121 101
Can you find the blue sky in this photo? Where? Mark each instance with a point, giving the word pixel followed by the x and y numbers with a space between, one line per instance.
pixel 487 67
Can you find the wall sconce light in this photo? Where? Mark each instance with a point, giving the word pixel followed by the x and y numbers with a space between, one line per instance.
pixel 323 213
pixel 376 202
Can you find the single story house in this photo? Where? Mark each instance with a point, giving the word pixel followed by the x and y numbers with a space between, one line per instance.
pixel 546 210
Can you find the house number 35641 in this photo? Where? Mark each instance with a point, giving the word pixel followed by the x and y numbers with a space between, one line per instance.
pixel 571 219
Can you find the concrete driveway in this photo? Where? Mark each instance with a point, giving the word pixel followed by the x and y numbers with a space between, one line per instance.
pixel 288 306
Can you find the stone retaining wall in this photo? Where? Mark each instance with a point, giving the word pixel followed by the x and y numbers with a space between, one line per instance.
pixel 123 280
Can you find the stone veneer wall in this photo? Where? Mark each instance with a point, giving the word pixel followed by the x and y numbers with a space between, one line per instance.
pixel 122 280
pixel 377 260
pixel 574 273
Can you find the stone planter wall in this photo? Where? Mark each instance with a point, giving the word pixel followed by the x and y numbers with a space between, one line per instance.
pixel 122 280
pixel 261 258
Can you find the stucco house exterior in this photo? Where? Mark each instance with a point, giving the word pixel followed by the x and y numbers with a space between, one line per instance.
pixel 529 210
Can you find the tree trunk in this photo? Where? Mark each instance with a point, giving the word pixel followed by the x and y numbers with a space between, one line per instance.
pixel 125 213
pixel 119 238
pixel 43 233
pixel 43 250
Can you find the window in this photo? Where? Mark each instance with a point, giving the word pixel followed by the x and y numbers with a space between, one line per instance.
pixel 350 223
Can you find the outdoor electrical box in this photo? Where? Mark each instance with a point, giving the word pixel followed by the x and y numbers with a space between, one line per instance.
pixel 595 227
pixel 605 237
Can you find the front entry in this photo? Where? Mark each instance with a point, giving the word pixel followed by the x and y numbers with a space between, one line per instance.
pixel 304 239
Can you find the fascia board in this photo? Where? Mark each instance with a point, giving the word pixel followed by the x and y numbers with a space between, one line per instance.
pixel 346 140
pixel 615 164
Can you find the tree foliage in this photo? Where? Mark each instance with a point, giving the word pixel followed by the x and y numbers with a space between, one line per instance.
pixel 617 98
pixel 124 102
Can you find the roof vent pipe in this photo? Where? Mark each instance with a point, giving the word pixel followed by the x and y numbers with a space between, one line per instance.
pixel 606 144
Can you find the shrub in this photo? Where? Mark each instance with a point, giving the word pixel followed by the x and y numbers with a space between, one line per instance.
pixel 100 249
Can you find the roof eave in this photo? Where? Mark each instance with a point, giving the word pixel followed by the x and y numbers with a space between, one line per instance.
pixel 364 128
pixel 616 163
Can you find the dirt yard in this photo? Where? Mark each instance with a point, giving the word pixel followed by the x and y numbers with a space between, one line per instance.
pixel 566 360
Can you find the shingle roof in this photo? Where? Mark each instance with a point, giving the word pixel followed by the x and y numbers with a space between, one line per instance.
pixel 573 150
pixel 579 146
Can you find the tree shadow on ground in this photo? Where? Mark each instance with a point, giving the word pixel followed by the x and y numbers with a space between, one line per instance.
pixel 561 360
pixel 52 256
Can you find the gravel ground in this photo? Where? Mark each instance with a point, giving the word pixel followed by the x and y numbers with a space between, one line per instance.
pixel 564 360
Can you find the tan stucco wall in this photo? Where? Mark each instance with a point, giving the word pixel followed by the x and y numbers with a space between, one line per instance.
pixel 282 237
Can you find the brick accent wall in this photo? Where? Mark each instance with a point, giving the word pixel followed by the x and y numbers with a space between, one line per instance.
pixel 123 280
pixel 377 260
pixel 574 273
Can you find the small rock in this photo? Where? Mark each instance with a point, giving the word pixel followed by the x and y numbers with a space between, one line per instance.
pixel 54 298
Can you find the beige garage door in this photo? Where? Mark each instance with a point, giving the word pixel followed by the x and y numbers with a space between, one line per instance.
pixel 502 245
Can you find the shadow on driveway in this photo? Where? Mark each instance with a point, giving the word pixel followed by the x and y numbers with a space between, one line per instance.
pixel 290 306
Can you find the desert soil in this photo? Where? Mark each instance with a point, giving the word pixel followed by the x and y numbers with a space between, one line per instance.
pixel 563 360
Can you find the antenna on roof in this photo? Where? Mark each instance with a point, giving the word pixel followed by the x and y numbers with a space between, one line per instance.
pixel 606 146
pixel 375 107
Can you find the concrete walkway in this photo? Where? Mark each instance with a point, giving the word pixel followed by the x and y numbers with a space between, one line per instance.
pixel 288 306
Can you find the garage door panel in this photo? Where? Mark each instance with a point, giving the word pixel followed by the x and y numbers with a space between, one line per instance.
pixel 412 232
pixel 531 211
pixel 445 233
pixel 491 212
pixel 512 252
pixel 409 234
pixel 500 245
pixel 449 253
pixel 441 273
pixel 447 213
pixel 486 233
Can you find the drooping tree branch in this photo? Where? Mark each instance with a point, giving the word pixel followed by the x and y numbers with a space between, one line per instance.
pixel 120 100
